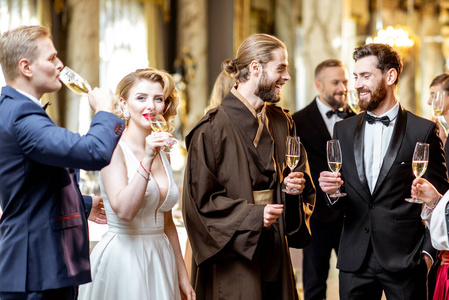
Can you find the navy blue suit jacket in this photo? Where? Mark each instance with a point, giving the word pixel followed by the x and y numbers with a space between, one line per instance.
pixel 43 231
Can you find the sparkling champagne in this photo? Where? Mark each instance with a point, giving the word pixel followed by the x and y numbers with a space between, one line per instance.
pixel 419 167
pixel 79 87
pixel 354 107
pixel 437 112
pixel 334 166
pixel 292 161
pixel 159 126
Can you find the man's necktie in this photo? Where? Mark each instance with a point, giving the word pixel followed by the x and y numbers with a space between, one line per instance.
pixel 372 119
pixel 341 113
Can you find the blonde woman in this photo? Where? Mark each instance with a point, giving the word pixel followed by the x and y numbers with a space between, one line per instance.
pixel 140 257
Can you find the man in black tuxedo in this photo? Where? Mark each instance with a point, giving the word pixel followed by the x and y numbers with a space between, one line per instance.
pixel 315 124
pixel 384 245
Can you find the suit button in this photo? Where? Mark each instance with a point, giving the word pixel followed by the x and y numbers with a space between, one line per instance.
pixel 371 205
pixel 366 229
pixel 118 128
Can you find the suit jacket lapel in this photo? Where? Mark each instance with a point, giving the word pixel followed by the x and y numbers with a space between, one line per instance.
pixel 359 148
pixel 393 149
pixel 318 120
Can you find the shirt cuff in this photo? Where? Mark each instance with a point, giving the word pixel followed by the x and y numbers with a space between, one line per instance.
pixel 425 252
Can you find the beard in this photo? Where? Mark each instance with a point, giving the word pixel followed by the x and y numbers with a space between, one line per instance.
pixel 334 103
pixel 266 90
pixel 377 97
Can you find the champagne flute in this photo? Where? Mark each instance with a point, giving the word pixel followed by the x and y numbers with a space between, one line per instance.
pixel 438 103
pixel 353 101
pixel 159 124
pixel 334 161
pixel 419 164
pixel 74 81
pixel 292 154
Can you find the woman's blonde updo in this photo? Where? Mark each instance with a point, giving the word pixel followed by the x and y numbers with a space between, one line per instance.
pixel 258 47
pixel 154 75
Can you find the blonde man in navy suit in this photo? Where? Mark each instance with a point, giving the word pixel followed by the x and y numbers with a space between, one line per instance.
pixel 44 245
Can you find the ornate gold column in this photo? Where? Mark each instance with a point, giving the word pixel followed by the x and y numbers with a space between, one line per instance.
pixel 242 15
pixel 82 56
pixel 322 38
pixel 444 21
pixel 192 58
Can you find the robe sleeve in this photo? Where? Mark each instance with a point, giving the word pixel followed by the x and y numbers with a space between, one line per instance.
pixel 219 224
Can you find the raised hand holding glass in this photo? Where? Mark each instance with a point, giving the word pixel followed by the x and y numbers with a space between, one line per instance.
pixel 159 124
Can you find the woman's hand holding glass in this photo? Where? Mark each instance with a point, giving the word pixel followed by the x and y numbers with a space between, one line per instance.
pixel 160 125
pixel 155 142
pixel 425 191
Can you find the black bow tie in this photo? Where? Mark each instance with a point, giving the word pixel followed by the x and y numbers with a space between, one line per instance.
pixel 371 119
pixel 341 113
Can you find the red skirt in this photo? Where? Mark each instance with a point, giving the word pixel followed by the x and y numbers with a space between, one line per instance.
pixel 442 285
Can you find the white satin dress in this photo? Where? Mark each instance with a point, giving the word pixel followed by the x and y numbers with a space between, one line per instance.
pixel 134 260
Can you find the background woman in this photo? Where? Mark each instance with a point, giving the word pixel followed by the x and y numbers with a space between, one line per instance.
pixel 434 214
pixel 441 83
pixel 140 257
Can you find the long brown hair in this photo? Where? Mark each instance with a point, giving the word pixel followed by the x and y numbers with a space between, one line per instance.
pixel 258 47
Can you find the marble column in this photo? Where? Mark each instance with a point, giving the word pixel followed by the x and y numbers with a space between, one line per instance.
pixel 431 59
pixel 192 45
pixel 82 55
pixel 285 18
pixel 319 39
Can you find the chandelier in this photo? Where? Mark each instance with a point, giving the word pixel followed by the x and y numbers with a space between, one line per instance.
pixel 400 38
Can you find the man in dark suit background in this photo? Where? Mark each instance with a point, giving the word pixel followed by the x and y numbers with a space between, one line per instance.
pixel 315 125
pixel 384 244
pixel 44 245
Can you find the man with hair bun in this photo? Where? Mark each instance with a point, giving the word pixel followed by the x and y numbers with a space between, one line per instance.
pixel 239 221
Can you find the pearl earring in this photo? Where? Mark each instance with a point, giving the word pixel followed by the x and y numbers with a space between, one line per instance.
pixel 126 114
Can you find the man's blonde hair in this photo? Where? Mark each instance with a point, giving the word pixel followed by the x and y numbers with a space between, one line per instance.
pixel 19 43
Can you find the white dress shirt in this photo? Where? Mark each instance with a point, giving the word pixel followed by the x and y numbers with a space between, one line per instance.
pixel 34 99
pixel 330 122
pixel 377 139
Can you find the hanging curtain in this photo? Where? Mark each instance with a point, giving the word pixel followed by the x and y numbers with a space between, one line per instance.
pixel 123 40
pixel 14 13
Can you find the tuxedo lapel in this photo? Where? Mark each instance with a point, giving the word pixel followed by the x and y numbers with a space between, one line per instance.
pixel 359 143
pixel 393 148
pixel 318 120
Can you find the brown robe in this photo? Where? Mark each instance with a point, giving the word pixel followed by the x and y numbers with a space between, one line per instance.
pixel 233 254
